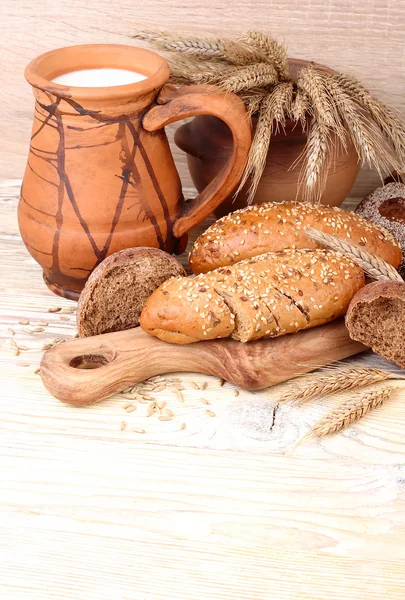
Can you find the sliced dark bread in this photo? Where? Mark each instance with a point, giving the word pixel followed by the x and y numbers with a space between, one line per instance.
pixel 376 318
pixel 114 295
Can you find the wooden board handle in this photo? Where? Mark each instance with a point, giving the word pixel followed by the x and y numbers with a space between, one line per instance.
pixel 87 370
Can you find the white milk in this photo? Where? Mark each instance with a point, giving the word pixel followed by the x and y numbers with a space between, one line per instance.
pixel 99 78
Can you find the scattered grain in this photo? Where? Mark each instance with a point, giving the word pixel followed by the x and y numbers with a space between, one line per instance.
pixel 236 392
pixel 123 425
pixel 204 400
pixel 52 309
pixel 11 331
pixel 165 418
pixel 23 364
pixel 210 413
pixel 37 371
pixel 195 385
pixel 37 329
pixel 130 408
pixel 183 426
pixel 138 430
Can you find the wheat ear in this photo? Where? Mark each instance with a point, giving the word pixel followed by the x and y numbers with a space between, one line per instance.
pixel 273 110
pixel 384 117
pixel 274 52
pixel 338 381
pixel 188 70
pixel 369 142
pixel 348 412
pixel 243 78
pixel 300 106
pixel 375 267
pixel 204 48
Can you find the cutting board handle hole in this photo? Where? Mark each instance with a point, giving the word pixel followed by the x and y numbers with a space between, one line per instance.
pixel 88 361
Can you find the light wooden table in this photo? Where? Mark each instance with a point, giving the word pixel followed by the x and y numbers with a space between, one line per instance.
pixel 213 511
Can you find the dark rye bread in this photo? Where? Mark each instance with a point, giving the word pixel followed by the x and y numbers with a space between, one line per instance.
pixel 385 207
pixel 114 295
pixel 376 318
pixel 272 227
pixel 266 296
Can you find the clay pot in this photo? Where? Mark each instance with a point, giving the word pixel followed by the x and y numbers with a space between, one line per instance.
pixel 208 143
pixel 100 175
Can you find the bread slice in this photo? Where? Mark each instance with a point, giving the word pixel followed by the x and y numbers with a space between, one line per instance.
pixel 185 310
pixel 114 295
pixel 253 319
pixel 376 318
pixel 272 227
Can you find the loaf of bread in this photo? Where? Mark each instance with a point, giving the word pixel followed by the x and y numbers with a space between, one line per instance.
pixel 274 226
pixel 116 291
pixel 376 318
pixel 266 296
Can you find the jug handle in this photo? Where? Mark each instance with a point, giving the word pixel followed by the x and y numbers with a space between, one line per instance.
pixel 190 101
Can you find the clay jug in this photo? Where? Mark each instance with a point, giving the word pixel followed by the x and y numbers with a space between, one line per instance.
pixel 100 176
pixel 208 143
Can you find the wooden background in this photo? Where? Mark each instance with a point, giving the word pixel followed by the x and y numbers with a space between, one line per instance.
pixel 365 38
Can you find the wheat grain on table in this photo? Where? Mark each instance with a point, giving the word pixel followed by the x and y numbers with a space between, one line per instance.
pixel 189 495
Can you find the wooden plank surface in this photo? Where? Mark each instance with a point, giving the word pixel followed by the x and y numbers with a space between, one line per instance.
pixel 365 38
pixel 218 510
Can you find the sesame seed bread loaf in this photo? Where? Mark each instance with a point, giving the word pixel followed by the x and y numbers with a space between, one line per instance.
pixel 273 226
pixel 266 296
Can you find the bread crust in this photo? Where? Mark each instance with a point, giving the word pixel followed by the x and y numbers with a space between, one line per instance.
pixel 118 259
pixel 282 293
pixel 271 227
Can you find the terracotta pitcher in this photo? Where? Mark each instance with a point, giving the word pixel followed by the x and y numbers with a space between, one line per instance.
pixel 100 175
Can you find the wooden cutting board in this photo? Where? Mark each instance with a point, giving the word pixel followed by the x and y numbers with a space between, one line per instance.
pixel 87 370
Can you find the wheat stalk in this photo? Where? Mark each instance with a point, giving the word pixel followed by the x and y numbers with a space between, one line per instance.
pixel 273 109
pixel 253 99
pixel 348 412
pixel 300 107
pixel 243 78
pixel 370 145
pixel 374 266
pixel 341 379
pixel 385 118
pixel 315 169
pixel 242 54
pixel 205 48
pixel 274 52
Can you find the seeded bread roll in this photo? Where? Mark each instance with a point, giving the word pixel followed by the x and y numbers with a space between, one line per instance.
pixel 116 291
pixel 266 296
pixel 271 227
pixel 376 318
